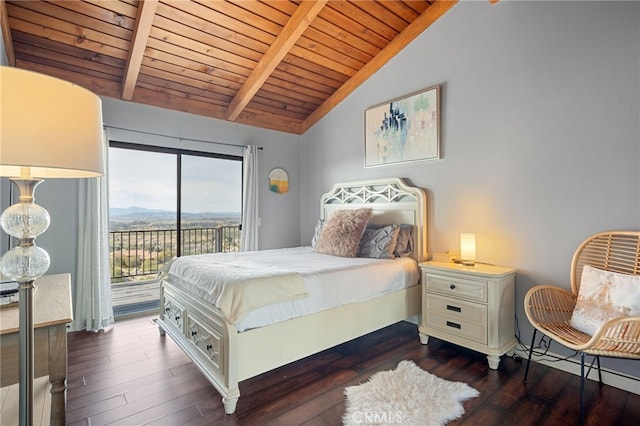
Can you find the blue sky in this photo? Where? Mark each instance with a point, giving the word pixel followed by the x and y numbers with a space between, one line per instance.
pixel 148 179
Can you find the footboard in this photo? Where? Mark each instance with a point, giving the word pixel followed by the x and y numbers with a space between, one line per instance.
pixel 204 336
pixel 226 357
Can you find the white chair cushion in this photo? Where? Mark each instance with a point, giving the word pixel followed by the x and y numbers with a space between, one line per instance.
pixel 603 296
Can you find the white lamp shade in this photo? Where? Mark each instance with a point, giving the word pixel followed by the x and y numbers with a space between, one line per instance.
pixel 49 128
pixel 468 247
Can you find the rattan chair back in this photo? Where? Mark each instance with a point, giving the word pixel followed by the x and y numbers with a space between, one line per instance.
pixel 616 251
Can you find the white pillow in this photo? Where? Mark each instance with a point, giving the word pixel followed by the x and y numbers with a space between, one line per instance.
pixel 603 296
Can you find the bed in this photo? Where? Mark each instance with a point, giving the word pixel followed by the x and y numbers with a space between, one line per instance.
pixel 228 351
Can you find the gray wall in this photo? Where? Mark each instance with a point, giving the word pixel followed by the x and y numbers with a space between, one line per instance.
pixel 540 133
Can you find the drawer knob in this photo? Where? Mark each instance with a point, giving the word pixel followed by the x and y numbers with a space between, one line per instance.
pixel 452 286
pixel 209 347
pixel 177 317
pixel 193 333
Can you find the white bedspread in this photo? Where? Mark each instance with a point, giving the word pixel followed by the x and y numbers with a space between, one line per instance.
pixel 235 283
pixel 328 281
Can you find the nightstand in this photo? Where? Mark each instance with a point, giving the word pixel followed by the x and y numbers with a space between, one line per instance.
pixel 470 306
pixel 51 314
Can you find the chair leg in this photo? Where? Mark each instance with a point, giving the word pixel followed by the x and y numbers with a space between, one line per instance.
pixel 533 340
pixel 596 359
pixel 581 388
pixel 593 361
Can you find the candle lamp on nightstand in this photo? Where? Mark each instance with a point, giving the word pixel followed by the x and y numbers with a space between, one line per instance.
pixel 468 248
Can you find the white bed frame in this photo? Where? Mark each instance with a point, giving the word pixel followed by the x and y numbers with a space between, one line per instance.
pixel 226 356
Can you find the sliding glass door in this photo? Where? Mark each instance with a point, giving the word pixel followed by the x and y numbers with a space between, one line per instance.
pixel 211 200
pixel 165 203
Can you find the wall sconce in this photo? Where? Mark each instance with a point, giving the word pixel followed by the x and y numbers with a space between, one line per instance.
pixel 468 249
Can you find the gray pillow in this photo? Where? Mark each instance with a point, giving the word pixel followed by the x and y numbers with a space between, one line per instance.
pixel 379 243
pixel 404 246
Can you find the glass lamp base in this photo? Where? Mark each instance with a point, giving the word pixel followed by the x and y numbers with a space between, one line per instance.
pixel 24 263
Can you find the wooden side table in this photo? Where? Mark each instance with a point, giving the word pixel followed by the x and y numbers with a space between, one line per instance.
pixel 471 306
pixel 52 311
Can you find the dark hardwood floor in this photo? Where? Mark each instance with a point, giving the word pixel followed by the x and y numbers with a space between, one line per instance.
pixel 130 375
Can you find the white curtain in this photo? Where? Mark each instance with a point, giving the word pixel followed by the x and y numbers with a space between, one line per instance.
pixel 250 199
pixel 93 310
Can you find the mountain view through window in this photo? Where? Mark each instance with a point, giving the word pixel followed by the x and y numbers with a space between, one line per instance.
pixel 168 203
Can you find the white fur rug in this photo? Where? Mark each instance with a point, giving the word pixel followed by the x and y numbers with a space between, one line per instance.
pixel 407 395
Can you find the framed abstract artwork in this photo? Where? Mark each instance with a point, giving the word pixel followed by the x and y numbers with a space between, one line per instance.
pixel 278 181
pixel 403 130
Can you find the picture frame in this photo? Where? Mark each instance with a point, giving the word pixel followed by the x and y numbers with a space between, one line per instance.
pixel 403 130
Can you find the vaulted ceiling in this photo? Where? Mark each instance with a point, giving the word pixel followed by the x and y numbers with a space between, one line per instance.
pixel 278 64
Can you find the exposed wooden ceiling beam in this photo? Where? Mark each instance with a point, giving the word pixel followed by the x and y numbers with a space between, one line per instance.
pixel 421 23
pixel 144 20
pixel 6 34
pixel 291 32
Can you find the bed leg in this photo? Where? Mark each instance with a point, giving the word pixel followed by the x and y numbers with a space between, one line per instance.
pixel 230 404
pixel 424 338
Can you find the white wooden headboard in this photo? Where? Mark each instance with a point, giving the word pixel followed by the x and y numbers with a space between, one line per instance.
pixel 392 201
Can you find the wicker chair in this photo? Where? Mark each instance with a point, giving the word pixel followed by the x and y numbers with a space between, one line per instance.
pixel 549 308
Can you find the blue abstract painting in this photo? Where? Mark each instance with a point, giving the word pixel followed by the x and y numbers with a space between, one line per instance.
pixel 403 130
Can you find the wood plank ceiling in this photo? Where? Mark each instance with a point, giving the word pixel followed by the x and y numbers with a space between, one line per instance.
pixel 278 64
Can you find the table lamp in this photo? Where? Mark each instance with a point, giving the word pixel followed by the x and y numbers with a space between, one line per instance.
pixel 49 128
pixel 468 248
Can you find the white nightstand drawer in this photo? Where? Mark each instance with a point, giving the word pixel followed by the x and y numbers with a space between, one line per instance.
pixel 476 332
pixel 457 310
pixel 456 287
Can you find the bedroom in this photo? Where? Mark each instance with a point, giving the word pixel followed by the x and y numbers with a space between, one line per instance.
pixel 541 113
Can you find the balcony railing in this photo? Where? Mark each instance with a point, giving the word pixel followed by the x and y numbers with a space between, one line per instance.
pixel 143 253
